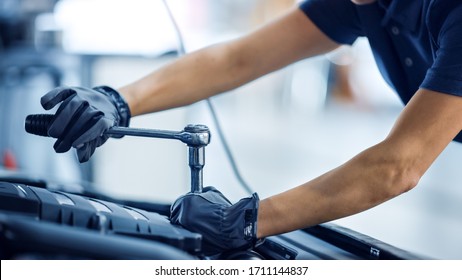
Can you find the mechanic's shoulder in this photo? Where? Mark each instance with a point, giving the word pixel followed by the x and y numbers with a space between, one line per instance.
pixel 442 14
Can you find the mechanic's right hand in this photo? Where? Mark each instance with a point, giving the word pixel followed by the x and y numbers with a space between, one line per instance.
pixel 83 117
pixel 224 226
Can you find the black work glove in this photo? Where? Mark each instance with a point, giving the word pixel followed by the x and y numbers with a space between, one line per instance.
pixel 83 116
pixel 224 226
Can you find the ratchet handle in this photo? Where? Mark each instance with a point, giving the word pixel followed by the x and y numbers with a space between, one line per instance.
pixel 192 135
pixel 38 124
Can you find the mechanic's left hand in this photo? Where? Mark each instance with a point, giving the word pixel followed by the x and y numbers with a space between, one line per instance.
pixel 83 116
pixel 224 226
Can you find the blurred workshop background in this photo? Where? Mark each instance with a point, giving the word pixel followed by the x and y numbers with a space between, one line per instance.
pixel 283 129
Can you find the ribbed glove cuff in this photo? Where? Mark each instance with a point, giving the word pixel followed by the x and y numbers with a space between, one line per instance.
pixel 119 102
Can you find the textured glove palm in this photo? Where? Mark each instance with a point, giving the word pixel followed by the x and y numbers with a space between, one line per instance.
pixel 83 117
pixel 224 226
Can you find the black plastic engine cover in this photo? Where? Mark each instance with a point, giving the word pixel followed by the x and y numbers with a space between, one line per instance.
pixel 93 215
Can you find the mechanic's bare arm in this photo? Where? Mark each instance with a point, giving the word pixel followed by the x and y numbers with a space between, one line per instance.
pixel 428 123
pixel 225 66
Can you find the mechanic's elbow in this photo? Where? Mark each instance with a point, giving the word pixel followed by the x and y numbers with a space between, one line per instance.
pixel 393 171
pixel 401 181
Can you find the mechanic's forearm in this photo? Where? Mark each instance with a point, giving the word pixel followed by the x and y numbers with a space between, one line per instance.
pixel 187 80
pixel 367 180
pixel 425 127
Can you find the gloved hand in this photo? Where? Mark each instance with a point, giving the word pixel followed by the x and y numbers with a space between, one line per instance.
pixel 224 226
pixel 83 116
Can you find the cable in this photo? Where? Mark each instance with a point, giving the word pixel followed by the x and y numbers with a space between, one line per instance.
pixel 227 149
pixel 181 48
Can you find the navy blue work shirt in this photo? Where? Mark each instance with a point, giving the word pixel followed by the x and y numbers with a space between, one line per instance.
pixel 416 43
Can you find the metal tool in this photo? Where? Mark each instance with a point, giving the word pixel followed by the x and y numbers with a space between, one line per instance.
pixel 196 137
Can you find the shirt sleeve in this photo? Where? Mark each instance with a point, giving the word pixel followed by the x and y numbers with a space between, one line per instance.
pixel 445 75
pixel 337 19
